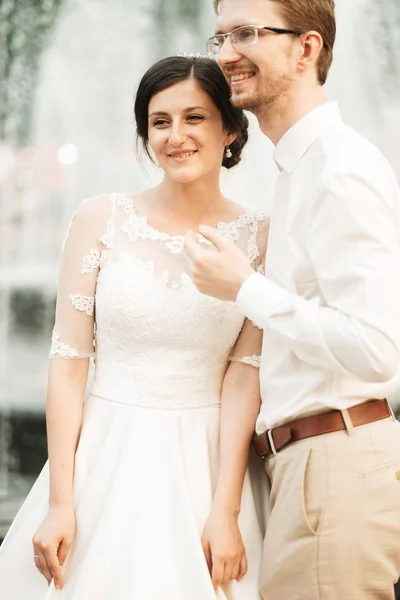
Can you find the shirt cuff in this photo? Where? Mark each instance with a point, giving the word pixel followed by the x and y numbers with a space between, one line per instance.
pixel 259 298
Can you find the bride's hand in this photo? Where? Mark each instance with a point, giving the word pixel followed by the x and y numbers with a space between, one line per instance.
pixel 223 548
pixel 52 541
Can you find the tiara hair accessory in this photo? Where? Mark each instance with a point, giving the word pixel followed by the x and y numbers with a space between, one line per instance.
pixel 195 55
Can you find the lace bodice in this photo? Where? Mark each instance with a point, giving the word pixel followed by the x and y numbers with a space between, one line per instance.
pixel 125 299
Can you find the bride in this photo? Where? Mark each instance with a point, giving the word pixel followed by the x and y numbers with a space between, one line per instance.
pixel 130 499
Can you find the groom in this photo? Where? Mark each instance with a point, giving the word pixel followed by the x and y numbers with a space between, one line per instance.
pixel 329 307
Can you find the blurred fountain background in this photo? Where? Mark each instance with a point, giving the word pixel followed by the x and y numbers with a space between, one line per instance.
pixel 68 72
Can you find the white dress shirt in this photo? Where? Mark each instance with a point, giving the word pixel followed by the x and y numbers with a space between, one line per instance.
pixel 330 302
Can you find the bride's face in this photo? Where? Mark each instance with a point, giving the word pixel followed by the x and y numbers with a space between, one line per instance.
pixel 186 132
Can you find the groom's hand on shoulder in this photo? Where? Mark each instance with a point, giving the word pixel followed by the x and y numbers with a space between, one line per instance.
pixel 220 274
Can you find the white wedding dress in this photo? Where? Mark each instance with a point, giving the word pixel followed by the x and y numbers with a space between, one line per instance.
pixel 147 460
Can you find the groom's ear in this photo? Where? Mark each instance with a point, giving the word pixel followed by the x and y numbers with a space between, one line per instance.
pixel 311 47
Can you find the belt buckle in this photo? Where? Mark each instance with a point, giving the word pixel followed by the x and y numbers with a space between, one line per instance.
pixel 391 412
pixel 271 442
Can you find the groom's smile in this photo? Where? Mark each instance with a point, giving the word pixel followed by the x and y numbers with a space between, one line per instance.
pixel 238 78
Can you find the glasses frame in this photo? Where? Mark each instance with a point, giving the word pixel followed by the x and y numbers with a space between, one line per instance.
pixel 257 28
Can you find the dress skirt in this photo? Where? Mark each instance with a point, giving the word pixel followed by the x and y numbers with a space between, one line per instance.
pixel 144 483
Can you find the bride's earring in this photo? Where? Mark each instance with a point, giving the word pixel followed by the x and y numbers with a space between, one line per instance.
pixel 228 152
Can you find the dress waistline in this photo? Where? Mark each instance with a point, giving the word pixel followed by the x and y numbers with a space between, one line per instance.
pixel 155 406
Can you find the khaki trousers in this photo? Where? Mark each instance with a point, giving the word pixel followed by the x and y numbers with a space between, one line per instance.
pixel 334 527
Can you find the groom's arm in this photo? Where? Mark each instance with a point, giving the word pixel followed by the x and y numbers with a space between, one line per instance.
pixel 354 246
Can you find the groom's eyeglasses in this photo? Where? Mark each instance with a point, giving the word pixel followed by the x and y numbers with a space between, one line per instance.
pixel 242 37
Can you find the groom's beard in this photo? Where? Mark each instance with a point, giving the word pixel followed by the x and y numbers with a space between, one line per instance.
pixel 268 98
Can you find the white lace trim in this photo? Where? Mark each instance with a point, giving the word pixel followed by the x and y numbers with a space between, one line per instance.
pixel 175 246
pixel 126 203
pixel 108 236
pixel 91 261
pixel 229 230
pixel 83 303
pixel 253 361
pixel 252 248
pixel 60 349
pixel 137 227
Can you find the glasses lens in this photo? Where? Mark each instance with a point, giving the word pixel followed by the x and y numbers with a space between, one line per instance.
pixel 214 45
pixel 244 36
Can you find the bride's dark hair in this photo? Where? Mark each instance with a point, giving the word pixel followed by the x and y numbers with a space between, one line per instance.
pixel 175 69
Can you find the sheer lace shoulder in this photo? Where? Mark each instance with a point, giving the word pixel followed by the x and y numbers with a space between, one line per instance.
pixel 247 349
pixel 262 242
pixel 89 234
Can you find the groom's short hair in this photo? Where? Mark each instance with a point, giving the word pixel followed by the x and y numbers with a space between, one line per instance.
pixel 310 15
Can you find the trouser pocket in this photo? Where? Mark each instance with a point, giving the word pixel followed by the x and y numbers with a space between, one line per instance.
pixel 314 486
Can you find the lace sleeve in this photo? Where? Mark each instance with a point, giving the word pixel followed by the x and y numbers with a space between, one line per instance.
pixel 73 334
pixel 262 243
pixel 248 346
pixel 247 349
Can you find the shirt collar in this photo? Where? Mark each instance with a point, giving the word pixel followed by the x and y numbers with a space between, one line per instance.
pixel 298 139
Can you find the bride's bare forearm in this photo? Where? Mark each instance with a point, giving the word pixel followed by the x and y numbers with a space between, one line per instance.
pixel 67 383
pixel 240 405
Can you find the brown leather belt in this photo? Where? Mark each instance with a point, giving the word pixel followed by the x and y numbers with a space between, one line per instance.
pixel 273 440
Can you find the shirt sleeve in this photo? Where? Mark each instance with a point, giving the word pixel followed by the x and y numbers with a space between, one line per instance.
pixel 73 334
pixel 354 246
